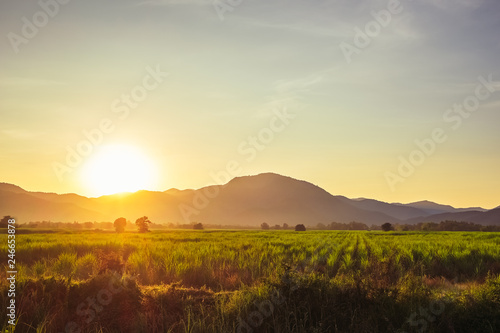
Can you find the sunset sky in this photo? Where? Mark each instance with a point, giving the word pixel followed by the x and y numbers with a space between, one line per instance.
pixel 259 86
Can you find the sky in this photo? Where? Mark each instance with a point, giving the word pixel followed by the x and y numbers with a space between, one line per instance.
pixel 397 101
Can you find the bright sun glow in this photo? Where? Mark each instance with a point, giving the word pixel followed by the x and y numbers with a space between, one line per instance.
pixel 118 168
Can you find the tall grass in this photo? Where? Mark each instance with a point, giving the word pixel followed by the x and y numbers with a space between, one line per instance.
pixel 192 281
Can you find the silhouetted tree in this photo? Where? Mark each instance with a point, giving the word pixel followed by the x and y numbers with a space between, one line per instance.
pixel 357 226
pixel 429 226
pixel 285 226
pixel 321 226
pixel 337 226
pixel 5 221
pixel 143 224
pixel 198 226
pixel 88 225
pixel 120 224
pixel 264 226
pixel 300 227
pixel 387 227
pixel 277 227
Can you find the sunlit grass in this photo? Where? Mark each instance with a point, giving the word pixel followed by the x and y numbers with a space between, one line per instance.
pixel 200 281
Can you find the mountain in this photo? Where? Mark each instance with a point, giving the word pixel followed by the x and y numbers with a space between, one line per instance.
pixel 415 211
pixel 244 201
pixel 431 208
pixel 250 200
pixel 490 217
pixel 26 207
pixel 401 212
pixel 277 199
pixel 11 188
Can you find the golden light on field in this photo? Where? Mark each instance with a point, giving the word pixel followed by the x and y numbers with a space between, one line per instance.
pixel 118 168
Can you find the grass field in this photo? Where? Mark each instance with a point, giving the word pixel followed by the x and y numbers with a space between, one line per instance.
pixel 256 281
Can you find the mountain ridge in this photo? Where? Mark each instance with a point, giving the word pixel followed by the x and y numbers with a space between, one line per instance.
pixel 246 200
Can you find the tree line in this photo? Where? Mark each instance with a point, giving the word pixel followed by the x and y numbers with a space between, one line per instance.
pixel 422 226
pixel 143 224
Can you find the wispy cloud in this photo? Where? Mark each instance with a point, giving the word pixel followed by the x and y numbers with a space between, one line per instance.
pixel 303 27
pixel 457 4
pixel 290 93
pixel 300 85
pixel 20 134
pixel 173 2
pixel 28 82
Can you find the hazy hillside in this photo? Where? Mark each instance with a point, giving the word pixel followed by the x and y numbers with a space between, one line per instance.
pixel 277 199
pixel 490 217
pixel 401 212
pixel 11 188
pixel 249 200
pixel 431 208
pixel 26 207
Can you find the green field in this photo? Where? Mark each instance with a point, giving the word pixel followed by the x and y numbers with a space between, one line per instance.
pixel 256 281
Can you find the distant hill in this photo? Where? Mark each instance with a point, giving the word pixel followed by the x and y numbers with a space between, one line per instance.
pixel 431 208
pixel 277 199
pixel 401 212
pixel 26 207
pixel 11 188
pixel 244 201
pixel 490 217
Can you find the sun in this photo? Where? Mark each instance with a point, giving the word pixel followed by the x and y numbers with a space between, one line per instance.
pixel 118 168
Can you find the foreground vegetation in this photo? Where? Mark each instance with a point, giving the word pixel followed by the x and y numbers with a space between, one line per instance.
pixel 256 281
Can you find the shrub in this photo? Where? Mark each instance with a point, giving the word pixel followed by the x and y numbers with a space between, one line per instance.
pixel 86 266
pixel 300 227
pixel 109 261
pixel 387 227
pixel 65 264
pixel 120 224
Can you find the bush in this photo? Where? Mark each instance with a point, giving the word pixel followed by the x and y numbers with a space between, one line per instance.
pixel 86 266
pixel 300 227
pixel 387 227
pixel 120 224
pixel 65 265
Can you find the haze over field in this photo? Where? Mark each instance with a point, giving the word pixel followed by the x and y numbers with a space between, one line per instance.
pixel 244 201
pixel 396 101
